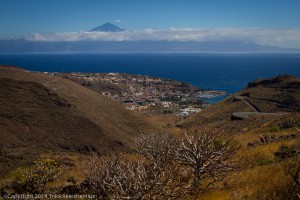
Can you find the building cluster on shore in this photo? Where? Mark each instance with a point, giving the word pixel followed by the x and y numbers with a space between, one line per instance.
pixel 141 92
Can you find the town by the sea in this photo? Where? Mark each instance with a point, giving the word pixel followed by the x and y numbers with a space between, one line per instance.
pixel 225 72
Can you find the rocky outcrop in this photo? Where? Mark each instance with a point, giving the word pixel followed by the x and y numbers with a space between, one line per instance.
pixel 265 139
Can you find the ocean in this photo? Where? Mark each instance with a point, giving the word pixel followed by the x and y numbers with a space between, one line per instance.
pixel 227 72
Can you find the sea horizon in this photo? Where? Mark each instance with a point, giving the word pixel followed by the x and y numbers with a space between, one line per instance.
pixel 228 72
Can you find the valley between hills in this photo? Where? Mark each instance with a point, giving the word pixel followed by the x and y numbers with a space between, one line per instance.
pixel 62 118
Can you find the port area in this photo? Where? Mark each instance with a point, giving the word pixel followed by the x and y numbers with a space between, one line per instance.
pixel 147 94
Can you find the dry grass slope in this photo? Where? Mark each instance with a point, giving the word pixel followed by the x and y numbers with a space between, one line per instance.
pixel 261 175
pixel 276 95
pixel 40 112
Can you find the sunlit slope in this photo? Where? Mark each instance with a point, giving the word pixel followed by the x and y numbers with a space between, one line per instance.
pixel 261 100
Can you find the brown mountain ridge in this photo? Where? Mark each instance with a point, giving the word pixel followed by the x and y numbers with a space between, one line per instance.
pixel 261 100
pixel 39 112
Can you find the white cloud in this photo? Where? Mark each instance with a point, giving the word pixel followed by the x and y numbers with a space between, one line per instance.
pixel 276 37
pixel 118 21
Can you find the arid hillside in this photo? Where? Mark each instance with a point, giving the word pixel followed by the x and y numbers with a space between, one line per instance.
pixel 260 101
pixel 52 119
pixel 264 118
pixel 39 112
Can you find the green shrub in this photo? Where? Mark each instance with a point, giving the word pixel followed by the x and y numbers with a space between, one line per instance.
pixel 274 128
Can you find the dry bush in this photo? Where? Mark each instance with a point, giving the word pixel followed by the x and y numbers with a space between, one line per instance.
pixel 39 174
pixel 291 168
pixel 159 149
pixel 124 177
pixel 156 146
pixel 208 152
pixel 164 166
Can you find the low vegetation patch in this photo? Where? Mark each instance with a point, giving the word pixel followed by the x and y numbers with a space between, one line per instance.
pixel 36 177
pixel 286 124
pixel 274 128
pixel 290 123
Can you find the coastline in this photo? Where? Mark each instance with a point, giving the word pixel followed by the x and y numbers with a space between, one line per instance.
pixel 146 93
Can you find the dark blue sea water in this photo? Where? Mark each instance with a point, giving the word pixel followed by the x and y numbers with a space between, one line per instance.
pixel 228 72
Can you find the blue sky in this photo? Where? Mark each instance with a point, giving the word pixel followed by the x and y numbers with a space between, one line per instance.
pixel 68 18
pixel 19 17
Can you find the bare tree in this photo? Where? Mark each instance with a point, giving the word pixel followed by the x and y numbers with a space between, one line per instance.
pixel 161 166
pixel 208 153
pixel 127 177
pixel 159 148
pixel 156 146
pixel 98 173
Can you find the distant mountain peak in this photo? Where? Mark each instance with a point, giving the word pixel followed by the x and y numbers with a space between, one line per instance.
pixel 107 27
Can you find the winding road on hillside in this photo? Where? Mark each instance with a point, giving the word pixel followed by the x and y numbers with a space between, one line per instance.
pixel 271 102
pixel 242 98
pixel 245 115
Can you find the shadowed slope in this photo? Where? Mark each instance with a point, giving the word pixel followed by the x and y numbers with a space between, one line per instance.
pixel 32 115
pixel 39 112
pixel 114 121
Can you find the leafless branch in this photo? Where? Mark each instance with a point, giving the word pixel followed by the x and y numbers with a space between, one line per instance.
pixel 164 166
pixel 124 177
pixel 208 153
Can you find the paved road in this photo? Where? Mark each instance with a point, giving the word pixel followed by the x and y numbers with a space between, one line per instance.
pixel 247 103
pixel 245 115
pixel 266 101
